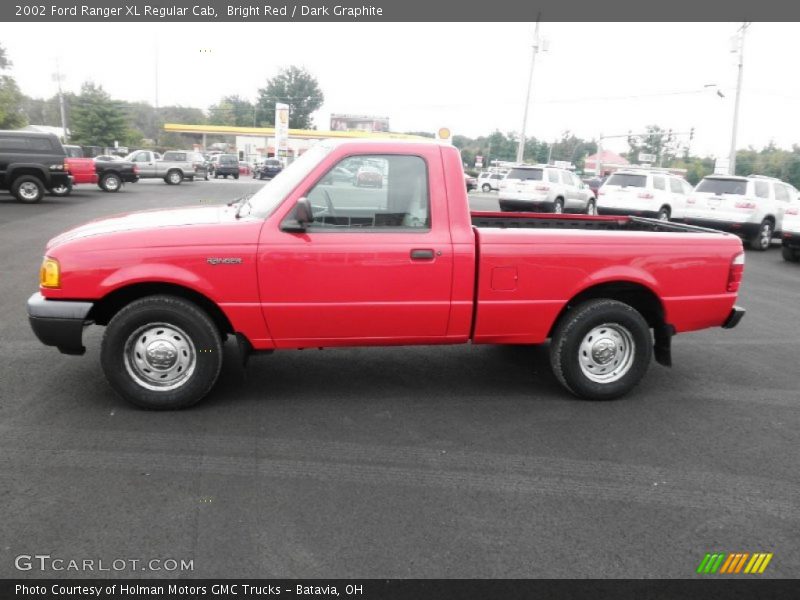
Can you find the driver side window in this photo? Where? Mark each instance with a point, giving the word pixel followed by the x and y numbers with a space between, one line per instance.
pixel 372 192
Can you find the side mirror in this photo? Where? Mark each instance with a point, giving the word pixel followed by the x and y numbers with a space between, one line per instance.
pixel 303 216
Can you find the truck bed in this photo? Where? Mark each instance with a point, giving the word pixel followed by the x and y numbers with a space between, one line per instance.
pixel 513 220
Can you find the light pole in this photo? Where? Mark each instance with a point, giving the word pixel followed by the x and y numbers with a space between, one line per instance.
pixel 58 77
pixel 521 147
pixel 740 43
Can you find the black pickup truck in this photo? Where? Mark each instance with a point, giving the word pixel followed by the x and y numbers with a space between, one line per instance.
pixel 32 164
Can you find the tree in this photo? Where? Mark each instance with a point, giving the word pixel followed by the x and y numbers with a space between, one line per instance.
pixel 655 141
pixel 232 110
pixel 297 88
pixel 97 119
pixel 11 98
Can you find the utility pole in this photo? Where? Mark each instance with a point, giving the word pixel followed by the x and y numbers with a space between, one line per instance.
pixel 155 70
pixel 57 77
pixel 740 39
pixel 521 147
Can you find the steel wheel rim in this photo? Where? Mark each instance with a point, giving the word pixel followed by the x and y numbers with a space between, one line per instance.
pixel 558 208
pixel 60 189
pixel 766 235
pixel 174 178
pixel 606 353
pixel 663 216
pixel 28 190
pixel 112 183
pixel 160 357
pixel 592 209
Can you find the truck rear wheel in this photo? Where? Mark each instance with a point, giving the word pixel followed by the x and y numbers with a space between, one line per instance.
pixel 27 189
pixel 601 349
pixel 173 177
pixel 61 190
pixel 161 353
pixel 110 182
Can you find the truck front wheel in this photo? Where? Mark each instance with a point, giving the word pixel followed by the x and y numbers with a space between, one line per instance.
pixel 27 189
pixel 110 182
pixel 601 349
pixel 161 353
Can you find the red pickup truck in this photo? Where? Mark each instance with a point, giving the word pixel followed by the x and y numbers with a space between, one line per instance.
pixel 311 261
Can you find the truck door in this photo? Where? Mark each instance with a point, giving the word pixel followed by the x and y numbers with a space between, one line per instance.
pixel 375 266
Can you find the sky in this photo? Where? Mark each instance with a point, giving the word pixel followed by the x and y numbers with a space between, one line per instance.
pixel 594 78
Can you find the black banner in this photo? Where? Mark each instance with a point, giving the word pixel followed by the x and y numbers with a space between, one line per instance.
pixel 393 11
pixel 394 589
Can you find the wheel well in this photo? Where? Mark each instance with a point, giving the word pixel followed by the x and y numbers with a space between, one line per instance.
pixel 636 295
pixel 40 175
pixel 771 219
pixel 104 310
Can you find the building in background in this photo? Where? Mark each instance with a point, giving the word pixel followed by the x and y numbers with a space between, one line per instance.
pixel 340 122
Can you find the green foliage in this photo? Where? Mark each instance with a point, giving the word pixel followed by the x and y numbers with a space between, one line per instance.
pixel 234 111
pixel 11 114
pixel 97 119
pixel 656 141
pixel 771 161
pixel 297 88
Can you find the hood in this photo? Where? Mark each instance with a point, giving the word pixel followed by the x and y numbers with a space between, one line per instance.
pixel 148 220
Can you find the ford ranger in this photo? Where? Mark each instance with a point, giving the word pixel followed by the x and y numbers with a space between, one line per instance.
pixel 310 261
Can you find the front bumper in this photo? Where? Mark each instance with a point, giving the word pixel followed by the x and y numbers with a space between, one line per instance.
pixel 737 312
pixel 59 323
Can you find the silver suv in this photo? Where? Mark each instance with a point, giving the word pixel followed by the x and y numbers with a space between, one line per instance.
pixel 542 188
pixel 751 207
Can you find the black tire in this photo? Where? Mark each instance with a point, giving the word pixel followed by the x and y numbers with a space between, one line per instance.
pixel 663 213
pixel 790 254
pixel 576 330
pixel 190 178
pixel 486 188
pixel 558 206
pixel 159 313
pixel 591 208
pixel 236 176
pixel 110 182
pixel 60 191
pixel 763 239
pixel 28 189
pixel 173 177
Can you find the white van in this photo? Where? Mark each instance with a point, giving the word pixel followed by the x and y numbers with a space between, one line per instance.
pixel 645 193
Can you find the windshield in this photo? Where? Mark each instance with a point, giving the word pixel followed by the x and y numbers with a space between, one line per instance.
pixel 523 174
pixel 722 186
pixel 272 194
pixel 627 180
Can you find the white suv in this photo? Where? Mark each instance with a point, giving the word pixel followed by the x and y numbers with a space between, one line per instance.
pixel 542 188
pixel 751 207
pixel 644 192
pixel 791 232
pixel 488 181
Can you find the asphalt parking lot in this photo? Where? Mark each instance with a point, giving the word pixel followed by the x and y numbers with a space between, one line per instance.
pixel 399 462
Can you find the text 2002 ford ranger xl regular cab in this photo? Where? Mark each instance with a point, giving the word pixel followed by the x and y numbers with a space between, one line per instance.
pixel 311 261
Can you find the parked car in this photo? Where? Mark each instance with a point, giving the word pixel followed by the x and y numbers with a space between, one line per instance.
pixel 244 168
pixel 751 207
pixel 108 175
pixel 303 264
pixel 223 165
pixel 32 164
pixel 173 167
pixel 488 182
pixel 644 192
pixel 791 232
pixel 542 188
pixel 471 182
pixel 270 168
pixel 368 176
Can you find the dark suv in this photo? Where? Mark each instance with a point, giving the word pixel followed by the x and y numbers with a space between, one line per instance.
pixel 31 164
pixel 268 169
pixel 224 165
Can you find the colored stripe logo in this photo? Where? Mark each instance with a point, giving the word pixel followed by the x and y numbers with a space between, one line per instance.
pixel 734 563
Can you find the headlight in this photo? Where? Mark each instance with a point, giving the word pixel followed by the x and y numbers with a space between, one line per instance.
pixel 50 273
